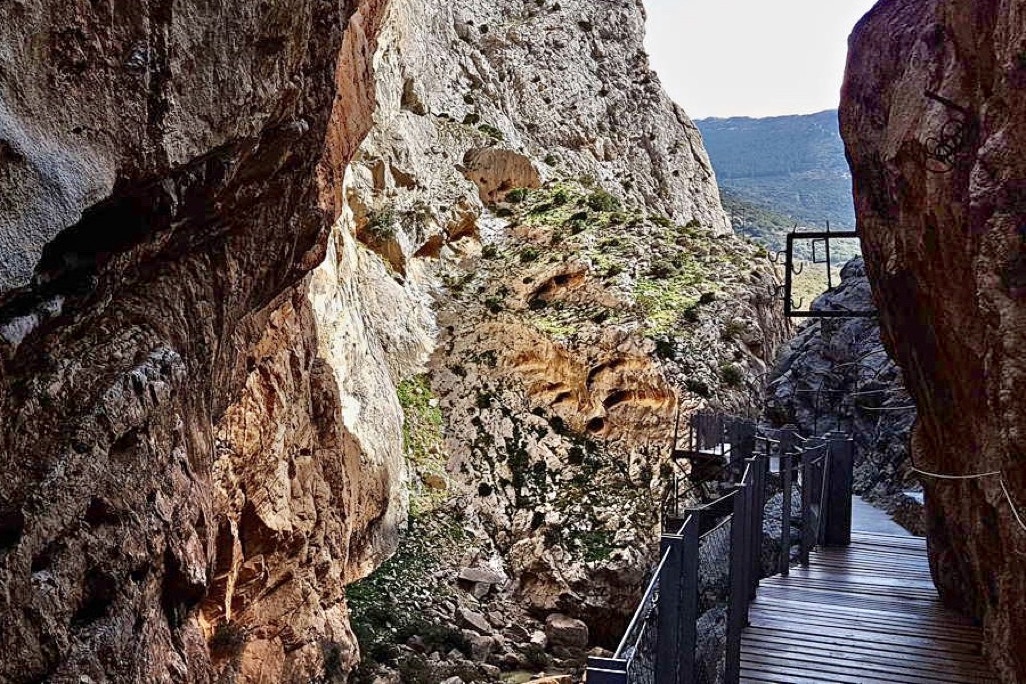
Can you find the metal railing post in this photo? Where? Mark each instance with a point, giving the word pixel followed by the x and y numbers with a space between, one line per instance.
pixel 758 512
pixel 786 477
pixel 737 607
pixel 668 638
pixel 840 480
pixel 689 598
pixel 806 478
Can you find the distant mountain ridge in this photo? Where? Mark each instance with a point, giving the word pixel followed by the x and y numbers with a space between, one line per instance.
pixel 790 166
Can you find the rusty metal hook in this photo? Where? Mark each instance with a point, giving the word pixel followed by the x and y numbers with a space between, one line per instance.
pixel 798 271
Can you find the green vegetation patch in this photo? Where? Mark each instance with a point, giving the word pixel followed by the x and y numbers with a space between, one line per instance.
pixel 381 225
pixel 385 607
pixel 664 301
pixel 422 440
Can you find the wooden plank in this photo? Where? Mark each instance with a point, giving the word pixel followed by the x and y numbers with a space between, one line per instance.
pixel 859 652
pixel 882 614
pixel 889 671
pixel 939 632
pixel 868 613
pixel 824 645
pixel 798 611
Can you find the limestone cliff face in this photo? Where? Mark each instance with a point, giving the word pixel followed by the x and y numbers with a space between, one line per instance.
pixel 946 253
pixel 527 175
pixel 159 207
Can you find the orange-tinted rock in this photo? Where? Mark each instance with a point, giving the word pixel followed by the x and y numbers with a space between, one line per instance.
pixel 944 241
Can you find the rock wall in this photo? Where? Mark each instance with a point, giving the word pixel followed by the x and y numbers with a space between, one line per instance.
pixel 835 374
pixel 159 208
pixel 945 250
pixel 204 383
pixel 527 174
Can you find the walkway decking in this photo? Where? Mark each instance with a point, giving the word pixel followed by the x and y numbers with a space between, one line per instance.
pixel 860 615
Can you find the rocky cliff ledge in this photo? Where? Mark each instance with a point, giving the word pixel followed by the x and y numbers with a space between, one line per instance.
pixel 159 199
pixel 941 202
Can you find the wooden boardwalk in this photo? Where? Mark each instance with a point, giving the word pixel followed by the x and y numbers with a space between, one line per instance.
pixel 863 614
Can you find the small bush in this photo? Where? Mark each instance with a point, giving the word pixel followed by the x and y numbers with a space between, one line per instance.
pixel 560 197
pixel 489 251
pixel 491 131
pixel 516 195
pixel 662 270
pixel 696 386
pixel 536 657
pixel 600 200
pixel 551 159
pixel 494 304
pixel 660 221
pixel 731 375
pixel 471 118
pixel 381 225
pixel 665 348
pixel 733 330
pixel 528 255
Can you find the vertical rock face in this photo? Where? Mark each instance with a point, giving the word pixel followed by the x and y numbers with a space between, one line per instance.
pixel 836 375
pixel 528 176
pixel 158 200
pixel 941 205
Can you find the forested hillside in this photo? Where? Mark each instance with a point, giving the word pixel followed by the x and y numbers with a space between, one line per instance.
pixel 779 171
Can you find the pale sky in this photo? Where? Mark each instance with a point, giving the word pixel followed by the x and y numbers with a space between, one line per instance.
pixel 751 57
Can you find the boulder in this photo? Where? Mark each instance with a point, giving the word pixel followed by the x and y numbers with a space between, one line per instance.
pixel 480 646
pixel 481 576
pixel 473 621
pixel 563 630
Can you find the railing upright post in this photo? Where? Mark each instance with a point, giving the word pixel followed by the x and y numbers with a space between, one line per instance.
pixel 840 480
pixel 807 480
pixel 737 606
pixel 759 466
pixel 668 639
pixel 786 477
pixel 689 598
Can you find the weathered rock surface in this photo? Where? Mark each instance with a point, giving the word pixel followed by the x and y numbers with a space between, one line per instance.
pixel 584 283
pixel 946 255
pixel 159 212
pixel 563 630
pixel 836 375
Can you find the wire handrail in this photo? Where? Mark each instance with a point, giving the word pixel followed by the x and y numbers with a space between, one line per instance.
pixel 639 616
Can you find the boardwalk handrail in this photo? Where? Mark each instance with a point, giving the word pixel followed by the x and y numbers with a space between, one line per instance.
pixel 660 643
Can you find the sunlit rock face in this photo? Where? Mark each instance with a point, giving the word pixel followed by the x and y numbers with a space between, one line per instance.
pixel 943 231
pixel 561 343
pixel 159 211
